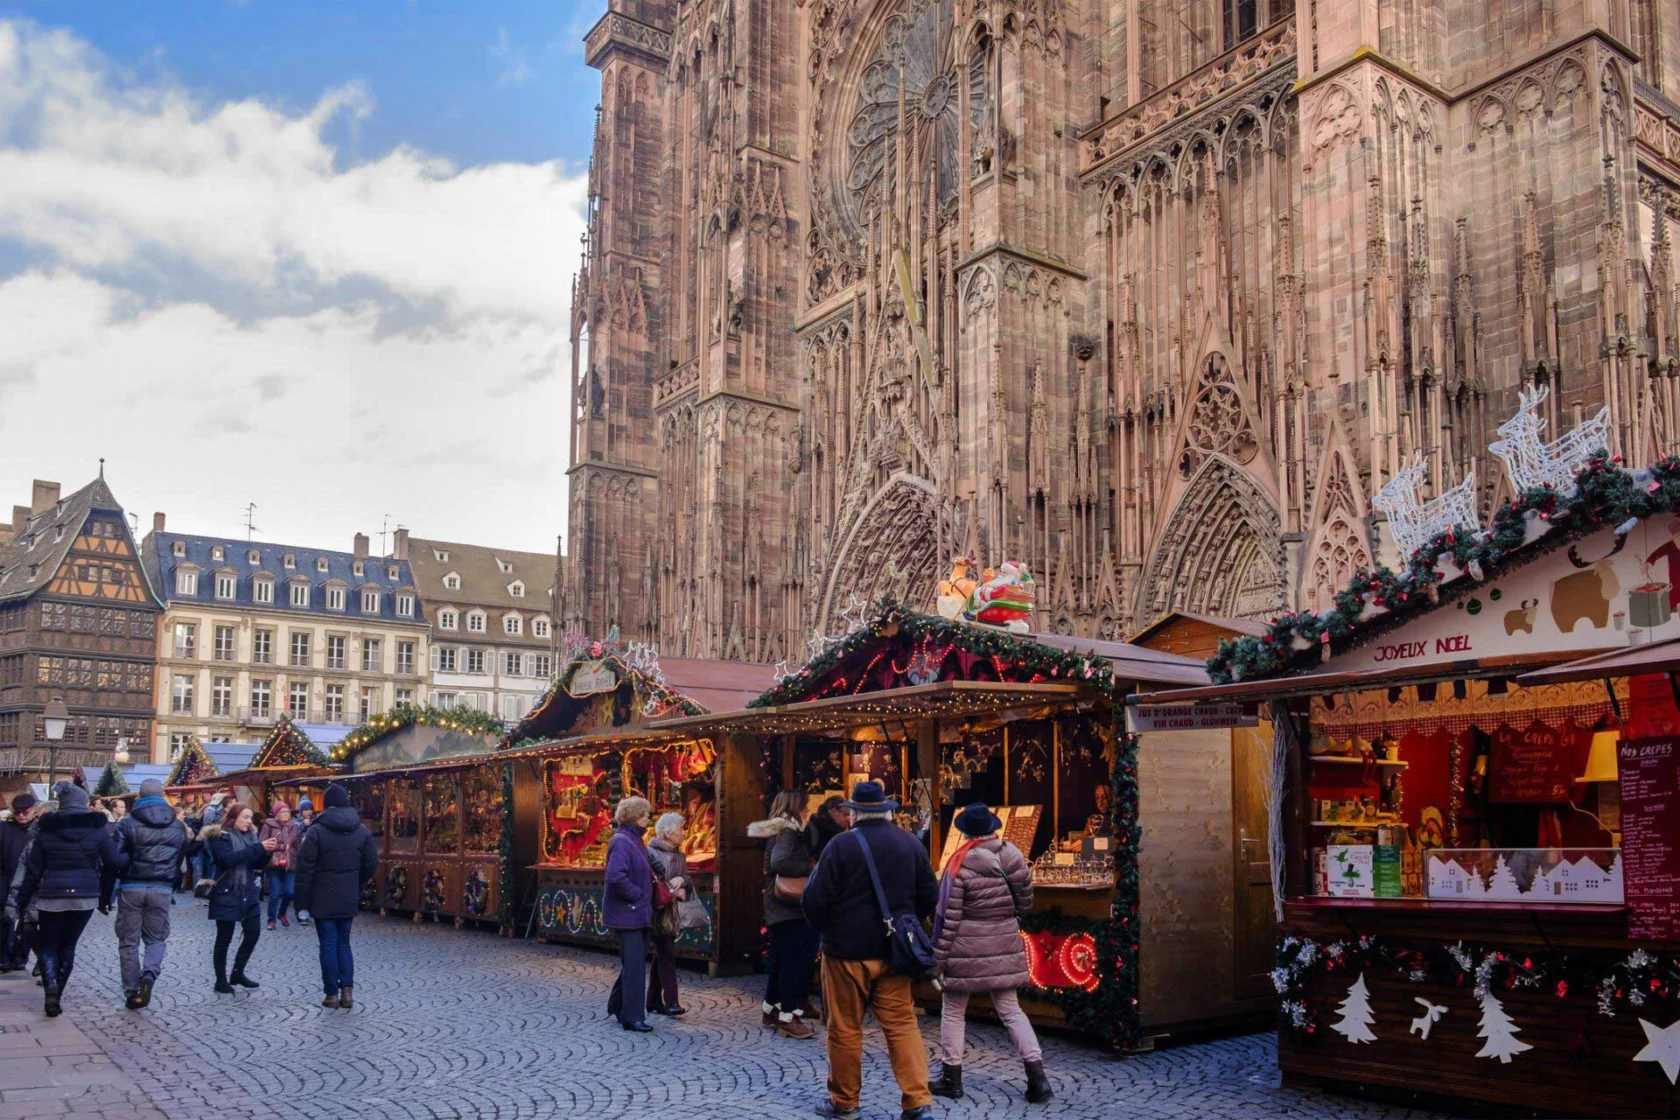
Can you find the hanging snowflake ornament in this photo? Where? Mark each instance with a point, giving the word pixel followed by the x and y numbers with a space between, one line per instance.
pixel 1532 462
pixel 1414 523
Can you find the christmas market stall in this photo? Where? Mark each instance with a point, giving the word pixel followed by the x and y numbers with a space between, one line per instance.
pixel 430 786
pixel 949 711
pixel 194 776
pixel 291 751
pixel 1475 817
pixel 587 745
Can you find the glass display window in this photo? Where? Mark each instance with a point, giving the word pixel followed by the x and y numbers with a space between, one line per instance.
pixel 443 813
pixel 404 798
pixel 481 806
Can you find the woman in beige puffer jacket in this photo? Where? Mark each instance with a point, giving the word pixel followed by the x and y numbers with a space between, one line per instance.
pixel 985 889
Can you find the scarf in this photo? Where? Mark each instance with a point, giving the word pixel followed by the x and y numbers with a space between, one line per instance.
pixel 952 869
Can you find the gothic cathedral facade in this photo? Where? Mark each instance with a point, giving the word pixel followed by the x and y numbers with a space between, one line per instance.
pixel 1151 295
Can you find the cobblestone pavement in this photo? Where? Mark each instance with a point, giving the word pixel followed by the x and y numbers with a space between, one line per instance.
pixel 465 1024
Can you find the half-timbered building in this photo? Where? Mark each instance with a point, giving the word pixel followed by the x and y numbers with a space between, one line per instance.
pixel 78 622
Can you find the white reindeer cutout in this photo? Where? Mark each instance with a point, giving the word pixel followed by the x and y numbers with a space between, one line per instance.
pixel 1531 462
pixel 1432 1013
pixel 1414 523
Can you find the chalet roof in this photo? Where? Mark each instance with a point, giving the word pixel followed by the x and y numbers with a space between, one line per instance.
pixel 229 757
pixel 716 685
pixel 484 583
pixel 30 561
pixel 199 552
pixel 1236 625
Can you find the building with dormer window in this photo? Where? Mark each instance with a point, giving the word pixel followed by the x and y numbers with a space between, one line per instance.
pixel 78 622
pixel 254 631
pixel 493 635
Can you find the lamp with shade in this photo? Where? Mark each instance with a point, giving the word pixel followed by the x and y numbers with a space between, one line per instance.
pixel 55 717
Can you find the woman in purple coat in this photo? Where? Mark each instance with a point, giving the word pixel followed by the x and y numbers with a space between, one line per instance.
pixel 627 906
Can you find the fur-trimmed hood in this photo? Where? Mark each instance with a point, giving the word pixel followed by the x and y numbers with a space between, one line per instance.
pixel 767 830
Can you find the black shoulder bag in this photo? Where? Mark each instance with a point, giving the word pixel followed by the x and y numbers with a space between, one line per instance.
pixel 909 951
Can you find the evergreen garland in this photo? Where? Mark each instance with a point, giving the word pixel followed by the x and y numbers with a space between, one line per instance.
pixel 407 715
pixel 1016 657
pixel 193 767
pixel 504 900
pixel 1379 600
pixel 111 782
pixel 1617 978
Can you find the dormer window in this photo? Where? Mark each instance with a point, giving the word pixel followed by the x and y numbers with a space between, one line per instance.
pixel 391 573
pixel 335 598
pixel 405 605
pixel 504 565
pixel 513 625
pixel 253 557
pixel 320 563
pixel 300 593
pixel 446 619
pixel 186 581
pixel 179 548
pixel 216 553
pixel 226 584
pixel 288 561
pixel 370 602
pixel 475 622
pixel 58 532
pixel 358 569
pixel 539 627
pixel 262 589
pixel 452 581
pixel 442 556
pixel 517 589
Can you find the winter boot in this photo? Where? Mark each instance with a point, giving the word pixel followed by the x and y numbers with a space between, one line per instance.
pixel 793 1026
pixel 1038 1085
pixel 347 996
pixel 245 981
pixel 769 1011
pixel 949 1083
pixel 51 1005
pixel 331 1001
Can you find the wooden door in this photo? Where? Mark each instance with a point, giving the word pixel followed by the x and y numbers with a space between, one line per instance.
pixel 1254 924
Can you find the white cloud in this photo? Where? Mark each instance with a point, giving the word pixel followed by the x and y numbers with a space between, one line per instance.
pixel 229 313
pixel 511 67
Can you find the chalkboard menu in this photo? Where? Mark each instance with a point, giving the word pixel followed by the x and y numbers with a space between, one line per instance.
pixel 1534 764
pixel 1650 786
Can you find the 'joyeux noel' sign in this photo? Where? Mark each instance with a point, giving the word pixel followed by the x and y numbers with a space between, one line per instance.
pixel 1603 592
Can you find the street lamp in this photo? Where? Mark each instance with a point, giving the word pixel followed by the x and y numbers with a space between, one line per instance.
pixel 54 716
pixel 121 757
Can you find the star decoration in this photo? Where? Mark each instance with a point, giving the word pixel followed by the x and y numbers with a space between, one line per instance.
pixel 1662 1045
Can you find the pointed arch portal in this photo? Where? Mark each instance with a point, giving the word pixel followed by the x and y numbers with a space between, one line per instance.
pixel 1220 551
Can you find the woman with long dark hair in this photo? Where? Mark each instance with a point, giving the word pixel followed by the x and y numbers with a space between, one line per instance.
pixel 236 899
pixel 60 877
pixel 789 858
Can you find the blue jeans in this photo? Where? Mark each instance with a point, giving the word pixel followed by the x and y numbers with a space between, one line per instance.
pixel 338 966
pixel 280 882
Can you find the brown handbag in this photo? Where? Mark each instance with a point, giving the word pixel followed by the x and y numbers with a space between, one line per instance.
pixel 788 889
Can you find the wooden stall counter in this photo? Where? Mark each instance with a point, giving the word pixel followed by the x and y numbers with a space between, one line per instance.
pixel 569 909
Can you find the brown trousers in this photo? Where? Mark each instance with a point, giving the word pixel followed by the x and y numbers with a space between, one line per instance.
pixel 850 988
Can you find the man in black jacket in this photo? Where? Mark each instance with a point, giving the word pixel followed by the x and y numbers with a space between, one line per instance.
pixel 145 849
pixel 840 903
pixel 14 840
pixel 338 855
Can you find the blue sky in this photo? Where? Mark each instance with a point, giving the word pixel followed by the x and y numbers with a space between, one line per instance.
pixel 480 81
pixel 313 256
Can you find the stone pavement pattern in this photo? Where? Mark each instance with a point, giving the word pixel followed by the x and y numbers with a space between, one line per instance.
pixel 465 1024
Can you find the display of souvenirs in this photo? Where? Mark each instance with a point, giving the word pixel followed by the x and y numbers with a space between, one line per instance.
pixel 580 792
pixel 404 797
pixel 443 813
pixel 1092 870
pixel 481 796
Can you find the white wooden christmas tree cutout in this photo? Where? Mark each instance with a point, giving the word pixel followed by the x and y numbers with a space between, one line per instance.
pixel 1531 462
pixel 1432 1013
pixel 1662 1045
pixel 1356 1019
pixel 1500 1032
pixel 1414 524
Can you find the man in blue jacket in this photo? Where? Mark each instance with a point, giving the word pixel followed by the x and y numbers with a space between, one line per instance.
pixel 840 903
pixel 144 849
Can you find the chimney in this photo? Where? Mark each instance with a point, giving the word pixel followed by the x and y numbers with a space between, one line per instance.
pixel 44 497
pixel 20 520
pixel 399 544
pixel 360 548
pixel 157 522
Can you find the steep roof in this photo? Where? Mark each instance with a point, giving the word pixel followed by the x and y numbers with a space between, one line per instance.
pixel 29 562
pixel 199 552
pixel 486 574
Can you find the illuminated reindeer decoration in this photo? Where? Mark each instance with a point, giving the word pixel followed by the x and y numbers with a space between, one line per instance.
pixel 1531 462
pixel 1414 523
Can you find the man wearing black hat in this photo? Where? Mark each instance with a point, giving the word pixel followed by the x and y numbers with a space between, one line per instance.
pixel 840 903
pixel 14 838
